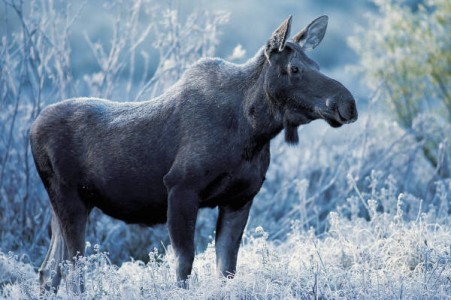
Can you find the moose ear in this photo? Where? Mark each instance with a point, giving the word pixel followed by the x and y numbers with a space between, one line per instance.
pixel 279 37
pixel 309 37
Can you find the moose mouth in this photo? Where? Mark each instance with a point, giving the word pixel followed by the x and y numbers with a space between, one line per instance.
pixel 334 123
pixel 333 118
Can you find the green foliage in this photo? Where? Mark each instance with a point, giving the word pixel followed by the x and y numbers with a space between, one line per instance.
pixel 406 54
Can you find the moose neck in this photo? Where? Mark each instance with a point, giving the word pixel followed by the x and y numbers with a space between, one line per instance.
pixel 265 118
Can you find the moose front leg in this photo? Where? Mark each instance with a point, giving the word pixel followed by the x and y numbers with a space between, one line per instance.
pixel 183 205
pixel 229 230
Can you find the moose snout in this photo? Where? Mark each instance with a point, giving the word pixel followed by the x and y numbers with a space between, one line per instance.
pixel 344 107
pixel 347 110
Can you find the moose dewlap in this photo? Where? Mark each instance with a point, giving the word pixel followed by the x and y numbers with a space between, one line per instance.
pixel 203 143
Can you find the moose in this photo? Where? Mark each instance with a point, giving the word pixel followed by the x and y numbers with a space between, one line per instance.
pixel 205 142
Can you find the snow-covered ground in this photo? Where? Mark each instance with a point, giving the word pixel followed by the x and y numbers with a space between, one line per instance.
pixel 381 258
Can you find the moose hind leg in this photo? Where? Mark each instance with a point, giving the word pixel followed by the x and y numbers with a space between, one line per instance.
pixel 73 216
pixel 50 270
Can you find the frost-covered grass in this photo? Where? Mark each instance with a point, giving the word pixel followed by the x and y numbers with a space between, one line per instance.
pixel 385 257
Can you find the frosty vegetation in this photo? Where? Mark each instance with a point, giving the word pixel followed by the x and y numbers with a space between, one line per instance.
pixel 406 57
pixel 356 212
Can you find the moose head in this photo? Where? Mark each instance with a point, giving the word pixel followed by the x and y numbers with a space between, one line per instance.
pixel 295 86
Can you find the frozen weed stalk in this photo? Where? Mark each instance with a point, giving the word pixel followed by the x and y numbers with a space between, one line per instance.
pixel 261 244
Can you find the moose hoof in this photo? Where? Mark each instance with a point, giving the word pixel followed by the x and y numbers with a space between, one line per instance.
pixel 183 284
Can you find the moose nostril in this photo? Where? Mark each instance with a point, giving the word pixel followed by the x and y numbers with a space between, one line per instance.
pixel 348 111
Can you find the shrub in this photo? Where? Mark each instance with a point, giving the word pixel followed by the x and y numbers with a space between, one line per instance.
pixel 405 55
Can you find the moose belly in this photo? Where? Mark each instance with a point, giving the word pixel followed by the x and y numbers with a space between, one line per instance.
pixel 148 206
pixel 130 202
pixel 141 197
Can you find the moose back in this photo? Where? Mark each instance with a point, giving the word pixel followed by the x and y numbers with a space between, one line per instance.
pixel 203 143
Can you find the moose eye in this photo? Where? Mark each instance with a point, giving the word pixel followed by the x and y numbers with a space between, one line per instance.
pixel 294 69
